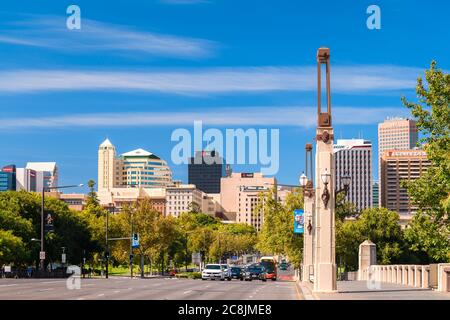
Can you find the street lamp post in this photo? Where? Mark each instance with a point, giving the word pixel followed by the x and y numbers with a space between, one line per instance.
pixel 112 208
pixel 44 188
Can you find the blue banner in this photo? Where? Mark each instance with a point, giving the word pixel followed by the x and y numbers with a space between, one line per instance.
pixel 299 221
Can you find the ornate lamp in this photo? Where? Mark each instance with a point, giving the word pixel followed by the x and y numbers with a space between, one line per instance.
pixel 325 176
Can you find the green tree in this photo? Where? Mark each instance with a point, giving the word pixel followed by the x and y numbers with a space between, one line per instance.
pixel 428 232
pixel 277 235
pixel 379 225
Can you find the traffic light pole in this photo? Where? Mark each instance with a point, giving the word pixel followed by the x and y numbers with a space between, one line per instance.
pixel 131 248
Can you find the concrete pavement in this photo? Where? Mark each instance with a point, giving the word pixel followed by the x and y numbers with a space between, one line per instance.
pixel 358 290
pixel 148 289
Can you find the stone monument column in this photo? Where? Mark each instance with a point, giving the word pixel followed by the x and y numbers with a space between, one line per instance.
pixel 366 258
pixel 324 257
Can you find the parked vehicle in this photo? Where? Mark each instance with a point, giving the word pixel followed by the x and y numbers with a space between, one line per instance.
pixel 255 272
pixel 214 271
pixel 235 272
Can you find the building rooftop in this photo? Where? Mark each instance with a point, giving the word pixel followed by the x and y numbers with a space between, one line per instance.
pixel 41 166
pixel 137 153
pixel 106 143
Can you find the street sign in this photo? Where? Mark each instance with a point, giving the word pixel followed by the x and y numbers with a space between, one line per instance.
pixel 63 258
pixel 299 221
pixel 42 255
pixel 135 241
pixel 7 269
pixel 196 258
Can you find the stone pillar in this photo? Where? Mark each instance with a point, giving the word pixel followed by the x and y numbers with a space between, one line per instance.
pixel 367 257
pixel 411 276
pixel 443 277
pixel 325 251
pixel 425 277
pixel 418 276
pixel 389 274
pixel 394 274
pixel 405 275
pixel 308 256
pixel 399 274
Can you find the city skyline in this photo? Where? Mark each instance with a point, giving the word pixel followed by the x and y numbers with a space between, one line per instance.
pixel 259 69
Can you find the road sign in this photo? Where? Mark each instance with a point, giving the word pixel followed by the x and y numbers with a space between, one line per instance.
pixel 42 255
pixel 135 241
pixel 196 258
pixel 7 268
pixel 299 221
pixel 63 258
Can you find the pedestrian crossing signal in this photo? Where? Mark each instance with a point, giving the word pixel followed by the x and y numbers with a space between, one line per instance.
pixel 135 241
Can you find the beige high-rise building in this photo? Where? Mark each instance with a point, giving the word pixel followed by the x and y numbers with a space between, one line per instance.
pixel 106 165
pixel 395 134
pixel 398 165
pixel 240 196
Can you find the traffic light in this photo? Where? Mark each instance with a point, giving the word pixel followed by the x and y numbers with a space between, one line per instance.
pixel 135 237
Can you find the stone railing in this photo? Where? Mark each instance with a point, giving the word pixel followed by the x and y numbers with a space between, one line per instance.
pixel 408 275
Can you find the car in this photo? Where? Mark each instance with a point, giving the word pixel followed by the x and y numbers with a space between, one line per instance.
pixel 255 272
pixel 283 266
pixel 214 271
pixel 235 272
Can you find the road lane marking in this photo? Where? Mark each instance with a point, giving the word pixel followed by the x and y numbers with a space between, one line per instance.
pixel 51 282
pixel 116 291
pixel 100 295
pixel 8 285
pixel 49 289
pixel 186 292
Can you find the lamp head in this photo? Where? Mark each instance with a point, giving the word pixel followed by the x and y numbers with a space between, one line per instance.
pixel 325 176
pixel 303 180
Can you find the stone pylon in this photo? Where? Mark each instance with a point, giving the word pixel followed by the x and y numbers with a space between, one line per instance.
pixel 308 254
pixel 324 255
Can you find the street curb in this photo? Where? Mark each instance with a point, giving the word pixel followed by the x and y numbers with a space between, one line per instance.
pixel 307 293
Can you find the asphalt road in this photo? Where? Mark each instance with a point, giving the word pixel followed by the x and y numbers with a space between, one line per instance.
pixel 147 289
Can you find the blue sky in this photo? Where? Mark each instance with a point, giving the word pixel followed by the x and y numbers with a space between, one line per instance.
pixel 232 64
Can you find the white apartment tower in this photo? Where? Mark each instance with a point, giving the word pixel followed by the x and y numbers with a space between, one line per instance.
pixel 353 158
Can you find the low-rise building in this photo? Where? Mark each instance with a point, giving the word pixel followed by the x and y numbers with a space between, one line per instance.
pixel 240 197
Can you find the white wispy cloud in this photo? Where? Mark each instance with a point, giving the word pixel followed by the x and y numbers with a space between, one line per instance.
pixel 94 36
pixel 299 116
pixel 345 79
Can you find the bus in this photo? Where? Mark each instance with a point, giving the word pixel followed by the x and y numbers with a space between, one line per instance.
pixel 270 264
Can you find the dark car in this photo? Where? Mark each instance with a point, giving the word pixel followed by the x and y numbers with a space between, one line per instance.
pixel 255 272
pixel 283 266
pixel 235 273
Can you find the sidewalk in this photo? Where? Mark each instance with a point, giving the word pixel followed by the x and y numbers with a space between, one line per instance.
pixel 357 290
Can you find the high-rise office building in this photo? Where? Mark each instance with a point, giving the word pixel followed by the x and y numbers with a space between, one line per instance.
pixel 137 168
pixel 205 170
pixel 240 197
pixel 375 195
pixel 49 171
pixel 8 178
pixel 353 158
pixel 395 134
pixel 397 166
